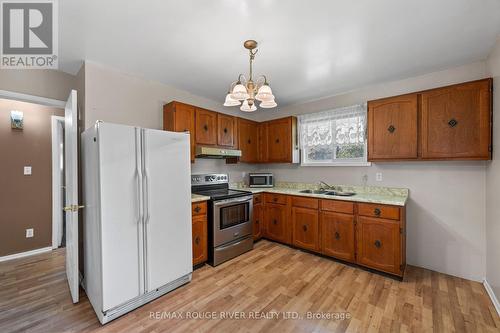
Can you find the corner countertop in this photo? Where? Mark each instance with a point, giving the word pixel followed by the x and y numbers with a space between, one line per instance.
pixel 366 194
pixel 198 198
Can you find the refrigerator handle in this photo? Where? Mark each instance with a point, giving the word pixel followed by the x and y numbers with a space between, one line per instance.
pixel 146 179
pixel 138 174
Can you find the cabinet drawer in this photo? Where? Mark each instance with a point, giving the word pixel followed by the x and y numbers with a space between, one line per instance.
pixel 305 202
pixel 257 199
pixel 375 210
pixel 276 198
pixel 199 208
pixel 337 206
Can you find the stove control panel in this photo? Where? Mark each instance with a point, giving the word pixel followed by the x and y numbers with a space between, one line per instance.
pixel 212 178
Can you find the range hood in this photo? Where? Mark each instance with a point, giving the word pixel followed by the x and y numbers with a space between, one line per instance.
pixel 214 152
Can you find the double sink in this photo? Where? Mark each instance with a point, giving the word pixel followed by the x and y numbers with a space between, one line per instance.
pixel 328 192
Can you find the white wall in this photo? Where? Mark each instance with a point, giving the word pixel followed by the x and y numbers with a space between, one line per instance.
pixel 493 182
pixel 117 97
pixel 37 82
pixel 446 212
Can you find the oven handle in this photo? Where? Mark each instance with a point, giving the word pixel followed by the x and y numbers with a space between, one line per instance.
pixel 232 201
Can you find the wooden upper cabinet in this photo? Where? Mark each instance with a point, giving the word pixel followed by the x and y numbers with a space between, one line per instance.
pixel 282 140
pixel 180 117
pixel 392 128
pixel 248 140
pixel 226 130
pixel 456 121
pixel 263 139
pixel 206 127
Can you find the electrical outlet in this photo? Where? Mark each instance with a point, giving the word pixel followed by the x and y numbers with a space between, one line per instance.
pixel 378 176
pixel 27 170
pixel 29 233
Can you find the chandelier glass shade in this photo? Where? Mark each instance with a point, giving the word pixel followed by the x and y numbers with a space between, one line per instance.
pixel 245 92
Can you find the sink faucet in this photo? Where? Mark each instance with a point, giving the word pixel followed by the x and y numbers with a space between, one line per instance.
pixel 328 187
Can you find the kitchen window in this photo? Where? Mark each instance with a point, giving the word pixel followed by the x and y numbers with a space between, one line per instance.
pixel 334 138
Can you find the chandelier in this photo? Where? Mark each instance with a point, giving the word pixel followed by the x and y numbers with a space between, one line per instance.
pixel 245 92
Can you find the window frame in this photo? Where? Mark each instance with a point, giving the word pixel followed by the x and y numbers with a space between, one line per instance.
pixel 336 162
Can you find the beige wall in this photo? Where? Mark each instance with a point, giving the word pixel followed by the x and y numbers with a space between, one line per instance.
pixel 25 201
pixel 118 97
pixel 493 182
pixel 446 210
pixel 45 83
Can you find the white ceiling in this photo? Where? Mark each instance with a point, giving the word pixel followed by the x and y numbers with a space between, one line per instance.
pixel 308 49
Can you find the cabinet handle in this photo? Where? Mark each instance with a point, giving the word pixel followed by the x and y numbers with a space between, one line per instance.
pixel 275 222
pixel 378 244
pixel 391 129
pixel 197 209
pixel 197 240
pixel 337 235
pixel 225 130
pixel 256 221
pixel 453 122
pixel 377 211
pixel 249 141
pixel 277 140
pixel 304 227
pixel 205 127
pixel 275 199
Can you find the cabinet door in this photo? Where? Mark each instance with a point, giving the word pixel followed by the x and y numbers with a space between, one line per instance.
pixel 279 141
pixel 379 244
pixel 179 117
pixel 258 223
pixel 248 140
pixel 206 127
pixel 199 240
pixel 337 235
pixel 276 222
pixel 226 130
pixel 392 128
pixel 263 139
pixel 305 228
pixel 456 121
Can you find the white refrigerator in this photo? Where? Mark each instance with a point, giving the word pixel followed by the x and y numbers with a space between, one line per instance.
pixel 137 220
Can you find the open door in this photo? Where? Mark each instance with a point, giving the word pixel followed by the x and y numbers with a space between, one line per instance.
pixel 71 201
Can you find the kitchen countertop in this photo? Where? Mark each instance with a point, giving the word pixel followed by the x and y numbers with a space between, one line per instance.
pixel 367 194
pixel 198 198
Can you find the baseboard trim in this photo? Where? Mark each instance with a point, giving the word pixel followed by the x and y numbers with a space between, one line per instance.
pixel 26 254
pixel 492 295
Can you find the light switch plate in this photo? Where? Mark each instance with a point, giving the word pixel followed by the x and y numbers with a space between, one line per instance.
pixel 27 170
pixel 29 233
pixel 378 176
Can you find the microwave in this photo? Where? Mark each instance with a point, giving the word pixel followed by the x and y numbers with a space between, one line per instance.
pixel 261 180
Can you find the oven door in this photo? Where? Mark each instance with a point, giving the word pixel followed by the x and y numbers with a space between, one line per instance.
pixel 232 219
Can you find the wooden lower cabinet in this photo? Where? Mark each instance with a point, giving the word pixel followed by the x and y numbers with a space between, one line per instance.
pixel 305 222
pixel 338 235
pixel 199 232
pixel 276 222
pixel 199 240
pixel 258 223
pixel 379 244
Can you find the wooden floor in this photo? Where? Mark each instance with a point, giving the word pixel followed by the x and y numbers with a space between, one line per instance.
pixel 269 281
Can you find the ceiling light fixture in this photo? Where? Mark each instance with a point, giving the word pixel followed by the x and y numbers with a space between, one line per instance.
pixel 245 92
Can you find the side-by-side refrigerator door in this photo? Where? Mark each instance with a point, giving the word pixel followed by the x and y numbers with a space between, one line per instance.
pixel 121 214
pixel 167 206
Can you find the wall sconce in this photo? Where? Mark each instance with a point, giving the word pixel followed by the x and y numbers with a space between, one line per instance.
pixel 16 119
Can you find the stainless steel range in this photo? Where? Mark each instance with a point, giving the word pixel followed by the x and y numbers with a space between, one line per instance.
pixel 229 217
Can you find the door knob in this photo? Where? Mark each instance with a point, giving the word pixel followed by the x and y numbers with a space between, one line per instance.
pixel 72 208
